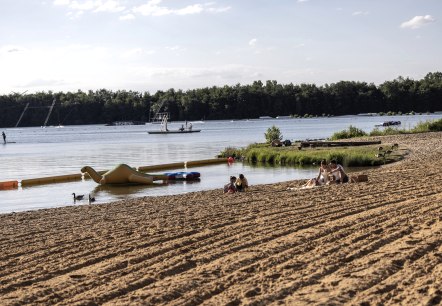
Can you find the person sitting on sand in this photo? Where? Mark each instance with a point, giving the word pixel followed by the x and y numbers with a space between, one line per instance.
pixel 230 187
pixel 338 172
pixel 322 178
pixel 241 183
pixel 324 172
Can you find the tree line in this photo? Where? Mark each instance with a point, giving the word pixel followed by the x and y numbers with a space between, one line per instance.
pixel 227 102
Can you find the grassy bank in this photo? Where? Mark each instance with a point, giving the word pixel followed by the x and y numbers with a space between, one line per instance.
pixel 422 127
pixel 348 156
pixel 292 156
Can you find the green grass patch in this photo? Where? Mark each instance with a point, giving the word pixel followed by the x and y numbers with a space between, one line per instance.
pixel 291 156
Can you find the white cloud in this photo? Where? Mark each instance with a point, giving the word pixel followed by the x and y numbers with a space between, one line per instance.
pixel 132 53
pixel 127 17
pixel 74 15
pixel 227 72
pixel 210 9
pixel 136 52
pixel 176 49
pixel 358 13
pixel 61 2
pixel 58 67
pixel 110 6
pixel 91 5
pixel 153 8
pixel 417 22
pixel 301 1
pixel 11 49
pixel 83 6
pixel 253 42
pixel 191 9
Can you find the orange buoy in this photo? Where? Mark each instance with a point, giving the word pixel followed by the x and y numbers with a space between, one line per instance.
pixel 9 185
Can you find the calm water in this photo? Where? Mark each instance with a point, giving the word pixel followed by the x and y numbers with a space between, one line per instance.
pixel 39 152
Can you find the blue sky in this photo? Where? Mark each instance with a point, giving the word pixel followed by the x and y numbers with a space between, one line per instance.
pixel 148 45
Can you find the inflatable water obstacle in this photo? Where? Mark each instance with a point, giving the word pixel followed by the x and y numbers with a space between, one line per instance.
pixel 76 177
pixel 182 176
pixel 8 185
pixel 122 174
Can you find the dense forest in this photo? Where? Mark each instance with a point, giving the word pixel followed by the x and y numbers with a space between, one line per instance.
pixel 228 102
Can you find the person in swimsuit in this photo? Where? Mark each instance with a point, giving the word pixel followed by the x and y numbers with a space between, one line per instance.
pixel 322 178
pixel 241 183
pixel 338 172
pixel 230 187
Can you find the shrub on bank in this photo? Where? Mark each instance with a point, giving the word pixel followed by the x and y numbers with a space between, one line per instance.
pixel 387 131
pixel 351 132
pixel 232 152
pixel 273 133
pixel 435 126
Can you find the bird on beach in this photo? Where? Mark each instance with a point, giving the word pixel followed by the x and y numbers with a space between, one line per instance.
pixel 78 197
pixel 91 199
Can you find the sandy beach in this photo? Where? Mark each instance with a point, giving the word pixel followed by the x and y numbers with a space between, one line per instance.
pixel 371 243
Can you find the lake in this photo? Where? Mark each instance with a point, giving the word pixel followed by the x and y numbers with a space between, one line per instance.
pixel 50 151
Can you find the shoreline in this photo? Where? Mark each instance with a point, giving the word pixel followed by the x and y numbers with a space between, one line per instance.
pixel 374 242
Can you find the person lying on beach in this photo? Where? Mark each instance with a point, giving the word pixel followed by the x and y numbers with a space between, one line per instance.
pixel 322 178
pixel 241 183
pixel 339 175
pixel 230 187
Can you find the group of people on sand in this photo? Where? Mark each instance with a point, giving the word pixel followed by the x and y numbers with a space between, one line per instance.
pixel 332 173
pixel 239 184
pixel 329 173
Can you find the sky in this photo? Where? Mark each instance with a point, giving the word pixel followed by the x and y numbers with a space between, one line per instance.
pixel 150 45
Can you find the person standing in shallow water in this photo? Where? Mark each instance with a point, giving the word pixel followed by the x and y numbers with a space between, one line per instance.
pixel 4 137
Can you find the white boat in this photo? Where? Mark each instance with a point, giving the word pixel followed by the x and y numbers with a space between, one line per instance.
pixel 165 130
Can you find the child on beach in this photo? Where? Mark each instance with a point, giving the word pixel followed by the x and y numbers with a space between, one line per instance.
pixel 230 187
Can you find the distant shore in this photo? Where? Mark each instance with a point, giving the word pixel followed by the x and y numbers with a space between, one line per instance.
pixel 377 242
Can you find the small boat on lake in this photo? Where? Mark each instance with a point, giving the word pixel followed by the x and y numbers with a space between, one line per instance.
pixel 173 132
pixel 165 130
pixel 389 123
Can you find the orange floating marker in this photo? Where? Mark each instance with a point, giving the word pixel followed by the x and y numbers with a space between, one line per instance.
pixel 8 185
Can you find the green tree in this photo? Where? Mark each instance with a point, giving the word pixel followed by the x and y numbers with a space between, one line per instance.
pixel 273 133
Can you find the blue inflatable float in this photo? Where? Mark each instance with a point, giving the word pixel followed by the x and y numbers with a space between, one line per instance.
pixel 183 176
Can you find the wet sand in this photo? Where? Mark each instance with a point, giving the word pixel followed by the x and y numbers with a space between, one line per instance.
pixel 377 242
